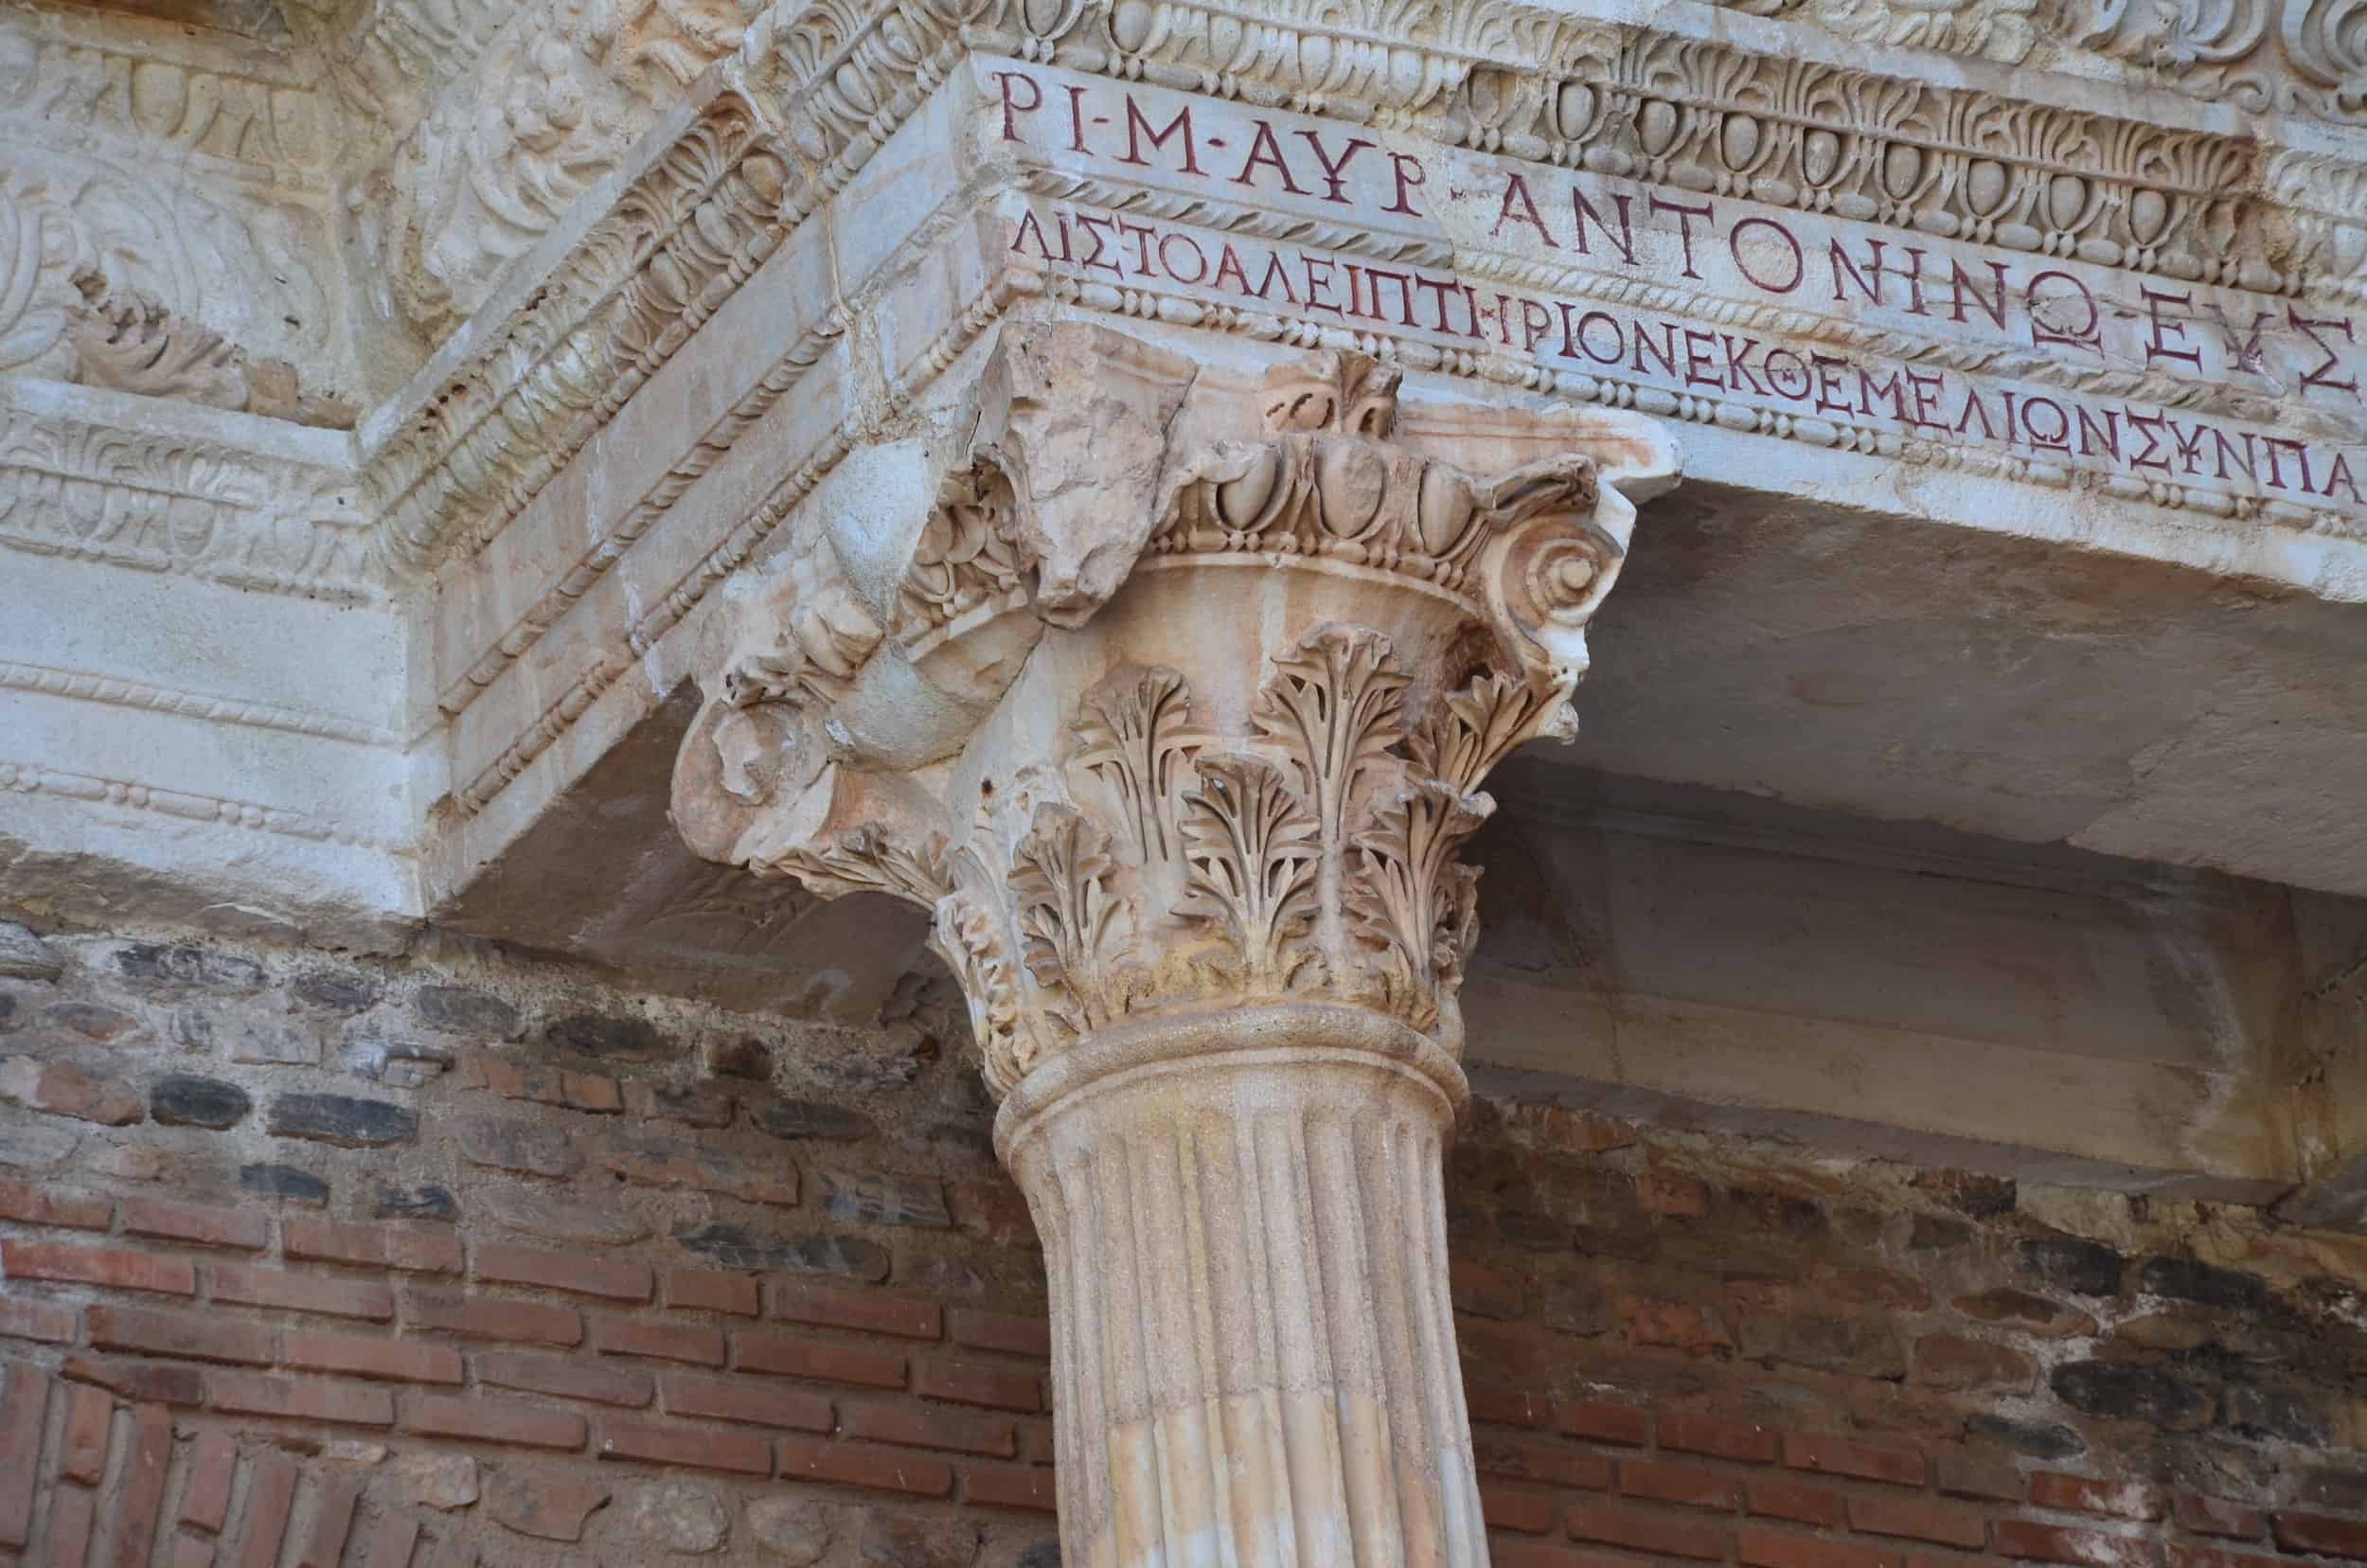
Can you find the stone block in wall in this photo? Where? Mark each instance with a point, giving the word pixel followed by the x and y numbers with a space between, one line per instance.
pixel 465 1010
pixel 62 1089
pixel 285 1183
pixel 25 956
pixel 188 965
pixel 182 1100
pixel 341 1120
pixel 885 1198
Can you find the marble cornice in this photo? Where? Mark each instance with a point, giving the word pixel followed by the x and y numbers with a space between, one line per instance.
pixel 812 97
pixel 158 486
pixel 484 425
pixel 229 110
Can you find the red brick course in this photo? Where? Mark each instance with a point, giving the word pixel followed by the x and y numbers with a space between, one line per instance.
pixel 302 1398
pixel 789 1357
pixel 563 1377
pixel 2322 1534
pixel 1641 1530
pixel 762 1401
pixel 859 1465
pixel 1688 1433
pixel 205 1497
pixel 575 1273
pixel 709 1290
pixel 113 1267
pixel 394 1361
pixel 1840 1456
pixel 1598 1422
pixel 370 1246
pixel 43 1322
pixel 691 1448
pixel 31 1204
pixel 918 1426
pixel 82 1447
pixel 247 1230
pixel 492 1422
pixel 1010 1487
pixel 899 1316
pixel 183 1336
pixel 1919 1518
pixel 2085 1494
pixel 974 1382
pixel 328 1295
pixel 494 1318
pixel 694 1344
pixel 1683 1485
pixel 2212 1517
pixel 1008 1332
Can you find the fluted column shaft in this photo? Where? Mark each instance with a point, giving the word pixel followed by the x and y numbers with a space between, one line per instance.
pixel 1252 1339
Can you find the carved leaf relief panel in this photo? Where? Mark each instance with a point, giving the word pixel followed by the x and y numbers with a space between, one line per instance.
pixel 112 279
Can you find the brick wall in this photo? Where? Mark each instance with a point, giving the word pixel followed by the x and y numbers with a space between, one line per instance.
pixel 464 1259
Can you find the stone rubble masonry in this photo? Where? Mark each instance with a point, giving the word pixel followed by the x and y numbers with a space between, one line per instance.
pixel 1675 1349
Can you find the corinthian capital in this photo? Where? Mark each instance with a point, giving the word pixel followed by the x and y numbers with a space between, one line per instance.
pixel 1165 687
pixel 1170 691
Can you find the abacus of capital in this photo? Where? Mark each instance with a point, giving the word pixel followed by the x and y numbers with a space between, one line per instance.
pixel 1171 696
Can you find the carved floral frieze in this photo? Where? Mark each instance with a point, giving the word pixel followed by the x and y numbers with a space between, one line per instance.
pixel 677 242
pixel 107 278
pixel 182 505
pixel 1988 30
pixel 551 107
pixel 2299 57
pixel 2307 56
pixel 1151 721
pixel 69 80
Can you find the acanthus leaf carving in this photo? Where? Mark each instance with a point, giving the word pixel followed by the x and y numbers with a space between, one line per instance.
pixel 552 102
pixel 1470 731
pixel 968 936
pixel 1060 877
pixel 870 859
pixel 1134 733
pixel 102 278
pixel 2264 56
pixel 826 632
pixel 2003 30
pixel 2222 49
pixel 1332 703
pixel 129 343
pixel 967 565
pixel 1408 901
pixel 1251 846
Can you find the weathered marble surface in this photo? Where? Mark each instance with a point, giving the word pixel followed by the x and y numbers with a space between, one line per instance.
pixel 607 300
